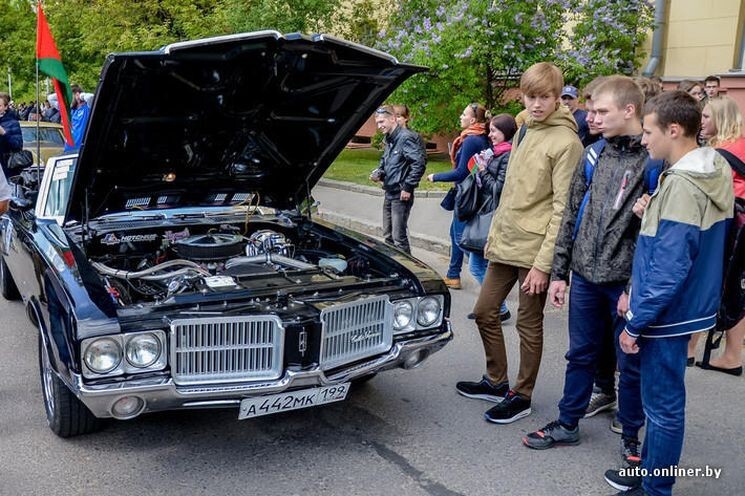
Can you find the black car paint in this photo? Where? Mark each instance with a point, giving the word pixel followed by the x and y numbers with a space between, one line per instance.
pixel 264 114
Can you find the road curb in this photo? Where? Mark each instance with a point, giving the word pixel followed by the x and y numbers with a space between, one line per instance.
pixel 422 241
pixel 372 190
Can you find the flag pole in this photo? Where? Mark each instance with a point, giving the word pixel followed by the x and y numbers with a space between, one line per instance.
pixel 38 114
pixel 38 125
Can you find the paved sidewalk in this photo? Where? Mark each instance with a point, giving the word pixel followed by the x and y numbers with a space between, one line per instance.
pixel 361 209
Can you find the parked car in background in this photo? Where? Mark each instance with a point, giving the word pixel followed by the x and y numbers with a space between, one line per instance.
pixel 51 139
pixel 175 263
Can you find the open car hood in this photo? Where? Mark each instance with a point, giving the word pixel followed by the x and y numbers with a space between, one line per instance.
pixel 220 120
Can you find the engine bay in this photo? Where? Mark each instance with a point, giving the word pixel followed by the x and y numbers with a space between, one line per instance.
pixel 153 265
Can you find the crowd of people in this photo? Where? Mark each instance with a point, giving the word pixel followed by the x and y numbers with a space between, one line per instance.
pixel 631 212
pixel 49 112
pixel 11 137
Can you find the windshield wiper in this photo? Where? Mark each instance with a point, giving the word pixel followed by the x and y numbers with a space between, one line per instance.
pixel 120 215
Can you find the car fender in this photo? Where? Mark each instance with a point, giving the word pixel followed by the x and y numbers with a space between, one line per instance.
pixel 60 368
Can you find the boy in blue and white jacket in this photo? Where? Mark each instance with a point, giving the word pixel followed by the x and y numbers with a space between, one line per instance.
pixel 676 277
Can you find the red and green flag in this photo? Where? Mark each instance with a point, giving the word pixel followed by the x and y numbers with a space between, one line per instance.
pixel 50 64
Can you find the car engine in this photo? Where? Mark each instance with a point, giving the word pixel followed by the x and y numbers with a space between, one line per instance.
pixel 154 266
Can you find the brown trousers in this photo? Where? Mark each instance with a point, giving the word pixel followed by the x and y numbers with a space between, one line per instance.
pixel 498 283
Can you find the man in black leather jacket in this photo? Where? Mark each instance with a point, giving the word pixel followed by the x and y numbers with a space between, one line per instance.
pixel 401 168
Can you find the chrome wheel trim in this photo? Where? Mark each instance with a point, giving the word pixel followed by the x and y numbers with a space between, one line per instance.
pixel 47 377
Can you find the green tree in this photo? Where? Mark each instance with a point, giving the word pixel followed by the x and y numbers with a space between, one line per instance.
pixel 285 16
pixel 606 38
pixel 474 48
pixel 18 48
pixel 361 21
pixel 87 31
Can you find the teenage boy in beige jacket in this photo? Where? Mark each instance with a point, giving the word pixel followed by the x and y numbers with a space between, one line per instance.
pixel 520 245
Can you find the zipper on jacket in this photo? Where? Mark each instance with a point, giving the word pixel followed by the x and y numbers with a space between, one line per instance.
pixel 622 190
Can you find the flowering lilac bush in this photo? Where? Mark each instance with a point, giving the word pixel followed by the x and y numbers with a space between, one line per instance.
pixel 606 38
pixel 476 49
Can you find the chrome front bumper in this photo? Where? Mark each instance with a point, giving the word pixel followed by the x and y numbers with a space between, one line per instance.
pixel 160 393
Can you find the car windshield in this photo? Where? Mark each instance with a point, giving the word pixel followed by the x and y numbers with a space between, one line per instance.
pixel 46 134
pixel 59 188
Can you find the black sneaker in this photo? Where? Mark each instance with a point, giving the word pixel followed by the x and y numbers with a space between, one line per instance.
pixel 630 451
pixel 599 402
pixel 637 491
pixel 483 390
pixel 625 479
pixel 554 433
pixel 514 407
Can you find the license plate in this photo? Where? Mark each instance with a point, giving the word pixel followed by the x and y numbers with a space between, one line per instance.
pixel 292 400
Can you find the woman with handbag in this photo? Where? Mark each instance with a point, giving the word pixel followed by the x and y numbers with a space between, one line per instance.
pixel 11 139
pixel 471 140
pixel 722 126
pixel 491 165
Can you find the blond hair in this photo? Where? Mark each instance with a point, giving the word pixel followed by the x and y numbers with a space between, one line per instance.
pixel 542 79
pixel 727 119
pixel 623 90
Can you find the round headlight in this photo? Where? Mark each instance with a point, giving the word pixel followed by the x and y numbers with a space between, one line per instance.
pixel 428 311
pixel 143 350
pixel 103 355
pixel 403 312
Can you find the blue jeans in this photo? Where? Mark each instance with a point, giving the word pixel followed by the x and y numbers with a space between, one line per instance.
pixel 477 265
pixel 630 412
pixel 456 254
pixel 663 366
pixel 592 321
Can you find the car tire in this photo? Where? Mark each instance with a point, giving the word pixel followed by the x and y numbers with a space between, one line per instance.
pixel 67 416
pixel 8 287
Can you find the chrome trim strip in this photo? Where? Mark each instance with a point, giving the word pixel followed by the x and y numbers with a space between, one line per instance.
pixel 221 39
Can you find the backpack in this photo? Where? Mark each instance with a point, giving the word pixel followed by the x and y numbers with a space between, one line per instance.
pixel 652 171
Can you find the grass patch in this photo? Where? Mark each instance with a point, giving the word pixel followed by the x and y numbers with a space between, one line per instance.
pixel 354 166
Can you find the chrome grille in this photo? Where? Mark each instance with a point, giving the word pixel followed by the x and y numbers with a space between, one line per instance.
pixel 226 349
pixel 355 330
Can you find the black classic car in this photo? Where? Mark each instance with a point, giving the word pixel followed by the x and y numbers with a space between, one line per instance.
pixel 175 262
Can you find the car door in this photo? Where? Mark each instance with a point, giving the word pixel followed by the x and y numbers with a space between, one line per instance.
pixel 25 243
